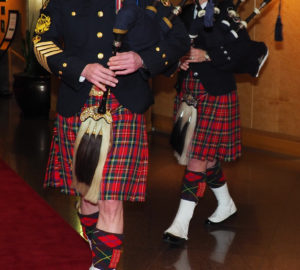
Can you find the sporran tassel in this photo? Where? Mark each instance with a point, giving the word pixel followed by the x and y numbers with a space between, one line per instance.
pixel 182 137
pixel 91 147
pixel 81 160
pixel 183 129
pixel 87 157
pixel 176 134
pixel 105 133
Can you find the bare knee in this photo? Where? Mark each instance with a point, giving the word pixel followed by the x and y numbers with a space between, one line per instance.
pixel 111 216
pixel 110 207
pixel 211 164
pixel 87 208
pixel 196 165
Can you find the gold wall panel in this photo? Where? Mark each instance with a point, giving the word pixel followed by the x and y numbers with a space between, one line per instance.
pixel 19 5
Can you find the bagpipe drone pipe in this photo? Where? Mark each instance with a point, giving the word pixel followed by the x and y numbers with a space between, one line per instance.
pixel 246 55
pixel 138 28
pixel 135 29
pixel 224 35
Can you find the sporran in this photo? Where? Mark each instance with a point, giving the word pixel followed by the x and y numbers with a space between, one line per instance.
pixel 183 129
pixel 93 143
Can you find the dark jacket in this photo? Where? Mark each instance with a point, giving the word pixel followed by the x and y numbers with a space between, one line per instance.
pixel 216 75
pixel 73 33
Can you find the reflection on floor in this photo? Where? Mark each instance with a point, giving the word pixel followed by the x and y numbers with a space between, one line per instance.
pixel 265 233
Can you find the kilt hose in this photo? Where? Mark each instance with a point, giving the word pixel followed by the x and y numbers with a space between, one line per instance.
pixel 125 170
pixel 217 133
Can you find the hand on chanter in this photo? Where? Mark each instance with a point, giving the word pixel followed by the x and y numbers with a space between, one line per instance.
pixel 99 76
pixel 125 63
pixel 197 56
pixel 184 64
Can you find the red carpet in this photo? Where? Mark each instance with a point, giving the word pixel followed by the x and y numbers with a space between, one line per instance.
pixel 32 235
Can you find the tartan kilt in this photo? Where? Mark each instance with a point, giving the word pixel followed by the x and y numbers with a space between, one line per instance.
pixel 217 133
pixel 125 170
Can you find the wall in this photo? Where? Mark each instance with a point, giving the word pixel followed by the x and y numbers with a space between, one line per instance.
pixel 270 105
pixel 15 58
pixel 28 12
pixel 19 5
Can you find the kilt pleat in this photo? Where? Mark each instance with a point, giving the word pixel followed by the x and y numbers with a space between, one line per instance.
pixel 217 133
pixel 125 170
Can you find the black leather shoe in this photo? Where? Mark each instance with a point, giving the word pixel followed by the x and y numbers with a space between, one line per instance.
pixel 173 240
pixel 208 222
pixel 211 223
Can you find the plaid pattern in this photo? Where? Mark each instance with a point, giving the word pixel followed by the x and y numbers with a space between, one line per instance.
pixel 106 249
pixel 215 176
pixel 115 258
pixel 88 224
pixel 217 133
pixel 193 186
pixel 125 170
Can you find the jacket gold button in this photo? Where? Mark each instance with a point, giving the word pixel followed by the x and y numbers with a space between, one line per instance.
pixel 60 72
pixel 99 35
pixel 100 14
pixel 166 63
pixel 157 49
pixel 163 55
pixel 100 55
pixel 73 13
pixel 65 65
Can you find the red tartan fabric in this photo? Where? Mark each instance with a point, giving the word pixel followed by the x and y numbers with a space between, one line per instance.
pixel 88 224
pixel 191 176
pixel 87 221
pixel 106 249
pixel 115 258
pixel 201 189
pixel 217 133
pixel 110 240
pixel 193 185
pixel 125 170
pixel 215 176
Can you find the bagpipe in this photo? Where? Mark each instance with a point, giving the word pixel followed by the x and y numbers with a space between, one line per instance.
pixel 136 29
pixel 139 28
pixel 254 54
pixel 231 35
pixel 247 56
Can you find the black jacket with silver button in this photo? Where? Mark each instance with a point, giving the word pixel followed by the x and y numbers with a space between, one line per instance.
pixel 216 75
pixel 73 33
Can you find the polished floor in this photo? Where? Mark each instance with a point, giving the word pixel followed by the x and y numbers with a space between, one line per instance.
pixel 264 235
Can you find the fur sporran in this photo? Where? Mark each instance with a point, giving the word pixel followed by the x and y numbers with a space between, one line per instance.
pixel 183 129
pixel 92 145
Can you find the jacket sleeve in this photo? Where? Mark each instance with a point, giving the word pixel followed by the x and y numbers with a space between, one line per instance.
pixel 48 46
pixel 228 55
pixel 163 57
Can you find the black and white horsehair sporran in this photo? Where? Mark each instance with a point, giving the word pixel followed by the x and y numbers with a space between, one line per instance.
pixel 91 147
pixel 184 127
